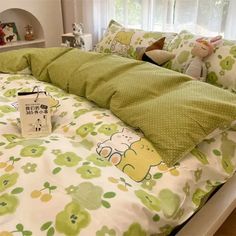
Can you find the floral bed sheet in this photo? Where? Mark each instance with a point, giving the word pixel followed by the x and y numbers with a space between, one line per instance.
pixel 70 183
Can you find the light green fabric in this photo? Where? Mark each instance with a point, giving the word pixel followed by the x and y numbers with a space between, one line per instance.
pixel 173 111
pixel 35 59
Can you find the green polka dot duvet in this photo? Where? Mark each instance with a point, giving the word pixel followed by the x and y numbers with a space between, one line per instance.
pixel 95 175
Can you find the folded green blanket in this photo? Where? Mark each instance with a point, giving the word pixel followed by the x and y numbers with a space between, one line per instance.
pixel 173 111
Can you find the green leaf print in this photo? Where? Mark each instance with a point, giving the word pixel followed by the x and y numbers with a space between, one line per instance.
pixel 19 227
pixel 46 225
pixel 109 195
pixel 51 232
pixel 157 175
pixel 200 156
pixel 106 204
pixel 56 170
pixel 17 190
pixel 27 233
pixel 156 218
pixel 32 151
pixel 217 152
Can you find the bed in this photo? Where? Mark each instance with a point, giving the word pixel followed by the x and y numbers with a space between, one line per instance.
pixel 98 173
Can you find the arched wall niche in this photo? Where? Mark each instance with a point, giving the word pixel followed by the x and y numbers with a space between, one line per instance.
pixel 22 18
pixel 44 15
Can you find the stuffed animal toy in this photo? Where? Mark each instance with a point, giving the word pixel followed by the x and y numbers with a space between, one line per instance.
pixel 78 32
pixel 202 49
pixel 2 34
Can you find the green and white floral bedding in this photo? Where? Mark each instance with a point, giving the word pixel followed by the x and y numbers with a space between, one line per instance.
pixel 61 184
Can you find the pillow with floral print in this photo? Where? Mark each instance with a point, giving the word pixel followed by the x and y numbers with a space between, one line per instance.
pixel 221 65
pixel 124 41
pixel 181 46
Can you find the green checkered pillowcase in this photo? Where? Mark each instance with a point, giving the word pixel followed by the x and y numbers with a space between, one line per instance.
pixel 124 41
pixel 221 64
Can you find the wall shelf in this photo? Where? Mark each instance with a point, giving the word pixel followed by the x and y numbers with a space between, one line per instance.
pixel 22 44
pixel 47 27
pixel 21 18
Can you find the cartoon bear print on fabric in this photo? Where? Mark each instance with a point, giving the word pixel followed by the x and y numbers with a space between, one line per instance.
pixel 138 159
pixel 122 41
pixel 114 148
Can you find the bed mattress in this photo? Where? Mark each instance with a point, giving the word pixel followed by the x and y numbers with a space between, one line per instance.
pixel 68 184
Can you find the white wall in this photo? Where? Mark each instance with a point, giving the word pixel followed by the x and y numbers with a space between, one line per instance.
pixel 72 12
pixel 47 12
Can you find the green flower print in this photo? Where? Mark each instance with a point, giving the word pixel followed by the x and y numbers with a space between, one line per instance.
pixel 51 89
pixel 105 231
pixel 170 202
pixel 11 137
pixel 29 167
pixel 108 129
pixel 183 57
pixel 89 196
pixel 85 129
pixel 7 180
pixel 8 204
pixel 148 184
pixel 212 78
pixel 7 109
pixel 10 93
pixel 79 113
pixel 135 229
pixel 98 160
pixel 227 63
pixel 68 159
pixel 72 219
pixel 197 196
pixel 166 230
pixel 32 151
pixel 88 172
pixel 233 51
pixel 176 43
pixel 71 189
pixel 150 201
